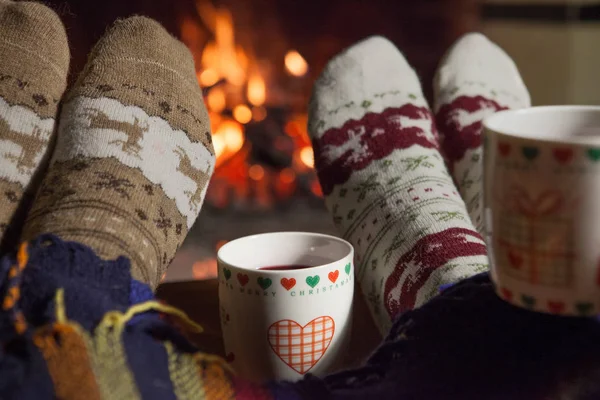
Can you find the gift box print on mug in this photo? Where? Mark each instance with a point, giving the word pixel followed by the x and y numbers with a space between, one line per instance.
pixel 541 186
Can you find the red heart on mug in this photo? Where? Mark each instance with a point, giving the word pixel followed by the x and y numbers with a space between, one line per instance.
pixel 516 260
pixel 556 307
pixel 288 283
pixel 563 155
pixel 504 148
pixel 507 294
pixel 242 278
pixel 301 347
pixel 333 275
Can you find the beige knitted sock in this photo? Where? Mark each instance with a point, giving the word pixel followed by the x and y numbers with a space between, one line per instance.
pixel 133 154
pixel 34 60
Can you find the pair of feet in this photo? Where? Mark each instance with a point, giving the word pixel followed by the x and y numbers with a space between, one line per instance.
pixel 121 161
pixel 388 165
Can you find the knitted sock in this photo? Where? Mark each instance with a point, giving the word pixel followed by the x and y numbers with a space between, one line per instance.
pixel 385 182
pixel 133 154
pixel 34 60
pixel 475 79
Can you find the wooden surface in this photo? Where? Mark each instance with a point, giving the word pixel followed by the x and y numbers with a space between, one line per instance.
pixel 199 299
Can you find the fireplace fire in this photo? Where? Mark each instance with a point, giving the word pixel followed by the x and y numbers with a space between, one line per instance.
pixel 257 108
pixel 264 156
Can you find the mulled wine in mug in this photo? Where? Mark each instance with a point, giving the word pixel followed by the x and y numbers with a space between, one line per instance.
pixel 286 303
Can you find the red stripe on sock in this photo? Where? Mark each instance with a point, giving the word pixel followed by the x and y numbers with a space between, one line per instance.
pixel 428 254
pixel 376 136
pixel 457 139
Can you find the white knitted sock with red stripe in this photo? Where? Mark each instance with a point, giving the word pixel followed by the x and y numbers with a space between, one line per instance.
pixel 385 182
pixel 476 78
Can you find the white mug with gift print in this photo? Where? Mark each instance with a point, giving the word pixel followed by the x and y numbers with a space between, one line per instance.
pixel 542 200
pixel 283 323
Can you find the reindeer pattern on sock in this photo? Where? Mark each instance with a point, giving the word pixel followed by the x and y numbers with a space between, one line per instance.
pixel 134 131
pixel 186 163
pixel 186 168
pixel 31 136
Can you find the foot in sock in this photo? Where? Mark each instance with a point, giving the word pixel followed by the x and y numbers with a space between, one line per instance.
pixel 385 182
pixel 33 75
pixel 475 79
pixel 133 154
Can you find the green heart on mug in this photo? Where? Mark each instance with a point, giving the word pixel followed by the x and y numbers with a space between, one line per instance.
pixel 227 273
pixel 347 268
pixel 313 281
pixel 264 283
pixel 593 154
pixel 528 301
pixel 530 153
pixel 584 308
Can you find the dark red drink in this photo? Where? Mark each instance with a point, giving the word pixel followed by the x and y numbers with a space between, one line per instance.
pixel 284 267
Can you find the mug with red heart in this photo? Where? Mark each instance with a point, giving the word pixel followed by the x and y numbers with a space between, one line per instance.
pixel 286 303
pixel 542 207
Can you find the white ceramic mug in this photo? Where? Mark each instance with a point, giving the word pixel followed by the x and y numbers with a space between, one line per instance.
pixel 542 199
pixel 282 324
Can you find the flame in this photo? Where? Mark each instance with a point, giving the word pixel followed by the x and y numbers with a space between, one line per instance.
pixel 210 56
pixel 208 77
pixel 216 100
pixel 228 139
pixel 219 145
pixel 221 58
pixel 242 114
pixel 307 156
pixel 256 90
pixel 235 84
pixel 295 64
pixel 228 60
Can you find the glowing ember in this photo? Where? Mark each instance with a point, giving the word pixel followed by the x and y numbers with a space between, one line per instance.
pixel 216 100
pixel 242 114
pixel 307 156
pixel 256 172
pixel 259 113
pixel 287 175
pixel 220 244
pixel 208 77
pixel 205 269
pixel 315 188
pixel 295 64
pixel 256 90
